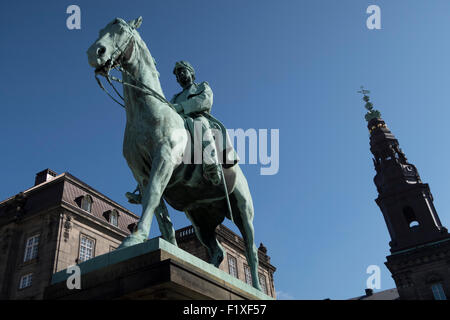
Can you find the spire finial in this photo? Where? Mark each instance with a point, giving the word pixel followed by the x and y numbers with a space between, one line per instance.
pixel 371 114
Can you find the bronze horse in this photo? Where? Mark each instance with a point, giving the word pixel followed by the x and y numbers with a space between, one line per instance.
pixel 154 143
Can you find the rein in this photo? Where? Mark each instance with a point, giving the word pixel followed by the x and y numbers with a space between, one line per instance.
pixel 113 63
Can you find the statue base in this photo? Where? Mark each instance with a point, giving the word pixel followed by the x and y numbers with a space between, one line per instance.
pixel 154 269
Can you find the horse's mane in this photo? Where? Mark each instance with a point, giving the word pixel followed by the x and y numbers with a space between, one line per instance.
pixel 140 42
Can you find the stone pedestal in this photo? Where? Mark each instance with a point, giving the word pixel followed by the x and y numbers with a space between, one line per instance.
pixel 155 269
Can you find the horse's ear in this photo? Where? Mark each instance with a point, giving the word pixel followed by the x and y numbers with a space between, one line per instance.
pixel 136 23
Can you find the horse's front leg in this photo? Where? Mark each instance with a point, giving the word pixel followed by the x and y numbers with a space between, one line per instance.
pixel 160 174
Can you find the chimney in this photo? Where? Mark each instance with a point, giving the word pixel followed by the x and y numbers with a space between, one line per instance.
pixel 369 292
pixel 44 176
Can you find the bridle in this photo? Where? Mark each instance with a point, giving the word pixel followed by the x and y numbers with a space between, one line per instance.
pixel 114 63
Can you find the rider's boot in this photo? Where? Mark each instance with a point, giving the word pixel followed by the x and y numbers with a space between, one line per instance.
pixel 134 197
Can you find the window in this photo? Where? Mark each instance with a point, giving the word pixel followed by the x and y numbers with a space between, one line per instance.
pixel 87 246
pixel 438 291
pixel 232 266
pixel 31 248
pixel 26 281
pixel 410 217
pixel 114 218
pixel 86 203
pixel 262 282
pixel 248 275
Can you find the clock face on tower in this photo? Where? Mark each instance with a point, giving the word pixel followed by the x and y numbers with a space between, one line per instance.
pixel 410 173
pixel 409 170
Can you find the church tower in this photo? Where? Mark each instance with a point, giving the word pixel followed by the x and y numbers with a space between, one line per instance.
pixel 420 245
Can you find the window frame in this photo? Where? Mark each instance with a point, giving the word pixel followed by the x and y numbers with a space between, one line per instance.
pixel 439 293
pixel 232 258
pixel 28 283
pixel 80 246
pixel 34 247
pixel 265 287
pixel 87 199
pixel 114 213
pixel 248 275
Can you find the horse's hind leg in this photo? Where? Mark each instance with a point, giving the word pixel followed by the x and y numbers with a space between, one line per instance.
pixel 205 222
pixel 165 224
pixel 242 207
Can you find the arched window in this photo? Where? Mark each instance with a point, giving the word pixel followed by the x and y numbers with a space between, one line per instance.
pixel 410 218
pixel 86 203
pixel 114 218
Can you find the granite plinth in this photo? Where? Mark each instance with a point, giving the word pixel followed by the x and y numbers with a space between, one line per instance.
pixel 154 269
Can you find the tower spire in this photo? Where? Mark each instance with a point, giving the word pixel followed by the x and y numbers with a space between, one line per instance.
pixel 420 245
pixel 406 202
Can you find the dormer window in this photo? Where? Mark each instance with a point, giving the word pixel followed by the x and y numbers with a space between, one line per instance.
pixel 86 203
pixel 114 218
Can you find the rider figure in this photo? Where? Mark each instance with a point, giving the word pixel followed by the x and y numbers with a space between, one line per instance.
pixel 195 102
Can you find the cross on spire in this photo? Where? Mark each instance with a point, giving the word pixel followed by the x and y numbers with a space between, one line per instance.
pixel 371 114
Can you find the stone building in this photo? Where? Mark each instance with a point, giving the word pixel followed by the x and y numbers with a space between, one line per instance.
pixel 420 245
pixel 234 261
pixel 62 221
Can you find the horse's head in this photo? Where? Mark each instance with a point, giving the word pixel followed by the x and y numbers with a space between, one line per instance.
pixel 112 43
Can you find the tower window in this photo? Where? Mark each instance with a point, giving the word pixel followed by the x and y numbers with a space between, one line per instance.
pixel 410 218
pixel 413 224
pixel 438 291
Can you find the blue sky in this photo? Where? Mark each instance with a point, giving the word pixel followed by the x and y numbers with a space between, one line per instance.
pixel 288 65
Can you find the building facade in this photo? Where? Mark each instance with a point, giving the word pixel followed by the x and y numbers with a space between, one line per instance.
pixel 62 221
pixel 420 246
pixel 234 262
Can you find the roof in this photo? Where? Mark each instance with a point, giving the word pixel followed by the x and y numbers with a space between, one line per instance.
pixel 390 294
pixel 65 189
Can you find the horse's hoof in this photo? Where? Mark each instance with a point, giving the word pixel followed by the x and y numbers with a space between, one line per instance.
pixel 132 239
pixel 257 286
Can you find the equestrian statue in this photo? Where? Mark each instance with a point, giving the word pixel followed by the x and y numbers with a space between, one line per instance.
pixel 159 150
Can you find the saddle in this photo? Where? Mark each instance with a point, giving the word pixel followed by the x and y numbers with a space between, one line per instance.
pixel 188 188
pixel 227 156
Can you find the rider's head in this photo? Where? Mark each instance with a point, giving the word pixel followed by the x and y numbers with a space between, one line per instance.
pixel 185 73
